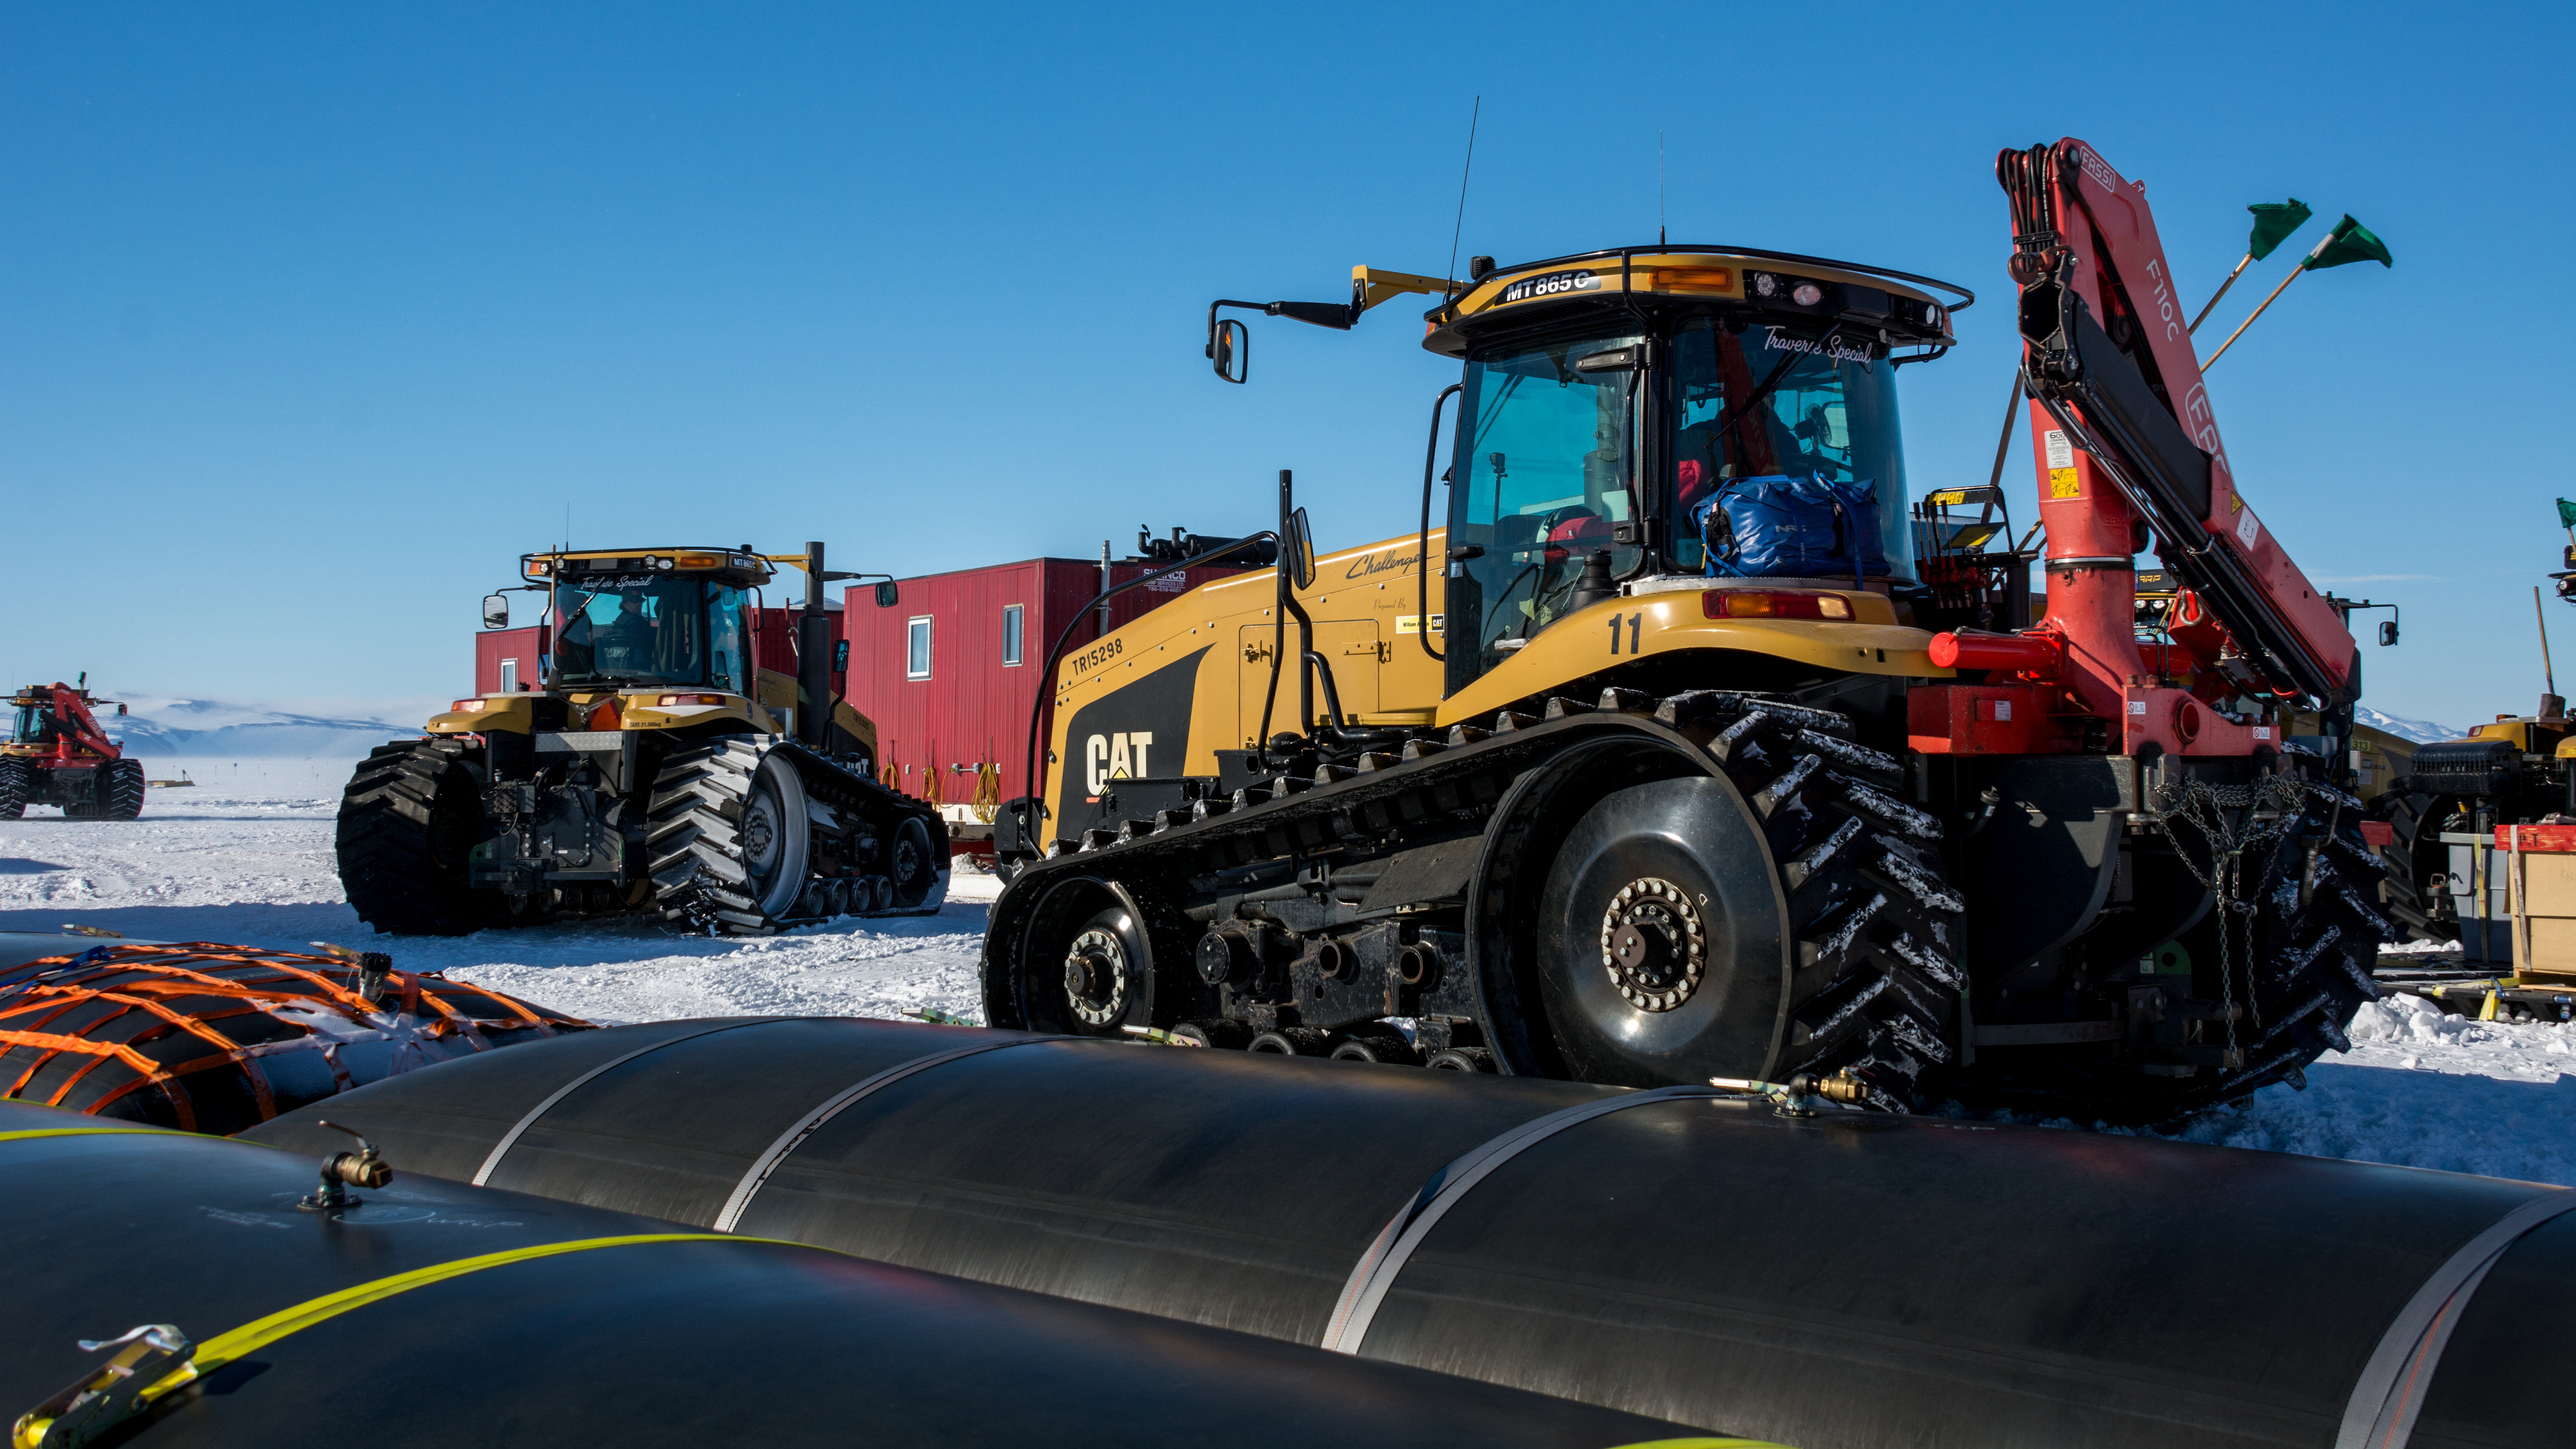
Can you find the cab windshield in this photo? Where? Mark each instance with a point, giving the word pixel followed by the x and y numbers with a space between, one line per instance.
pixel 1751 400
pixel 628 629
pixel 1547 447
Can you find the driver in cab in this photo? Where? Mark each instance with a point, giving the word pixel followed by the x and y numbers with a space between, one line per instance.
pixel 625 644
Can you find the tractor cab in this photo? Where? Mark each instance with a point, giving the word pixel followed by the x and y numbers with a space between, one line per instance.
pixel 1632 414
pixel 639 619
pixel 640 638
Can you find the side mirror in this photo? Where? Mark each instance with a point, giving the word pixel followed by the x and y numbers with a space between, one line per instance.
pixel 2387 632
pixel 1230 348
pixel 841 657
pixel 887 595
pixel 496 611
pixel 120 709
pixel 1301 550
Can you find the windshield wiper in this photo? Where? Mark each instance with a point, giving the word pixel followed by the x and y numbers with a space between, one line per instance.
pixel 1763 393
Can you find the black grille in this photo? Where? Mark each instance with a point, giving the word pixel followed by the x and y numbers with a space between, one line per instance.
pixel 2468 767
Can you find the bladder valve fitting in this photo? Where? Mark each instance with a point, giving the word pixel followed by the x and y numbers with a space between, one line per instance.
pixel 341 1171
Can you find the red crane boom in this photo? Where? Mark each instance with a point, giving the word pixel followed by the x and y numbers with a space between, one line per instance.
pixel 2127 445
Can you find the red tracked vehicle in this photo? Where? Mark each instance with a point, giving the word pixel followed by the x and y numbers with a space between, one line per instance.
pixel 57 755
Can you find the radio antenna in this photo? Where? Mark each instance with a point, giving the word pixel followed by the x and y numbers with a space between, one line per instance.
pixel 1659 188
pixel 1468 170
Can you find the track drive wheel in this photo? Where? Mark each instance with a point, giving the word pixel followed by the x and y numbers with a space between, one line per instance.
pixel 915 864
pixel 120 789
pixel 1086 964
pixel 1789 918
pixel 17 782
pixel 409 821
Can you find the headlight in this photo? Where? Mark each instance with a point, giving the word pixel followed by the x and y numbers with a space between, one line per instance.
pixel 1807 294
pixel 1765 285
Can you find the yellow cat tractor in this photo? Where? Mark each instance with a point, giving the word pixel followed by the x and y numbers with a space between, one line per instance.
pixel 655 769
pixel 1640 770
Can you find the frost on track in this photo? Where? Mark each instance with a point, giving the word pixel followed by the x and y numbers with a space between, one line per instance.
pixel 246 857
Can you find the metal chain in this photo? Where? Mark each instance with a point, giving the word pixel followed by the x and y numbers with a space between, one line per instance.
pixel 2205 808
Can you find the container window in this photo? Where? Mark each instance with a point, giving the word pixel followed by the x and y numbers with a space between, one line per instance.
pixel 509 676
pixel 916 649
pixel 1011 633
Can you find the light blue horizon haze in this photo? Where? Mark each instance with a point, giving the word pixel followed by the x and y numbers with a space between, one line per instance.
pixel 313 317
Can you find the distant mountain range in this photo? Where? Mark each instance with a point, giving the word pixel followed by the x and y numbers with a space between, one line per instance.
pixel 167 727
pixel 2422 732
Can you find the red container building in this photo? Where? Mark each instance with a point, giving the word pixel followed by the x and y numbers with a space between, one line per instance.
pixel 505 660
pixel 950 672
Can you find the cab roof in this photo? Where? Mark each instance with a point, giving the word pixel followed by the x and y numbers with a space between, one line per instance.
pixel 732 565
pixel 1896 309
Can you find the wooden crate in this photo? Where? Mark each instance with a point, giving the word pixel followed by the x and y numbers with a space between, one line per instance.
pixel 2541 865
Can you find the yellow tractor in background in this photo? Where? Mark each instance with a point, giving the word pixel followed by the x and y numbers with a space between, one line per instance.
pixel 655 769
pixel 2442 816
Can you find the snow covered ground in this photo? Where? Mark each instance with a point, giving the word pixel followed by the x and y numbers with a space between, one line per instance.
pixel 245 856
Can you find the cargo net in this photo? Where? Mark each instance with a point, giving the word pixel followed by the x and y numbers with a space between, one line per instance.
pixel 213 1038
pixel 2298 926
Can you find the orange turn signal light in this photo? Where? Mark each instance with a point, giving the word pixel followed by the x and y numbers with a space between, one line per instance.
pixel 1773 604
pixel 672 699
pixel 1694 279
pixel 466 706
pixel 701 560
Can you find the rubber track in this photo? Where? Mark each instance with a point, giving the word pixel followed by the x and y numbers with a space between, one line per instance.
pixel 2408 813
pixel 1876 922
pixel 1861 867
pixel 17 781
pixel 691 853
pixel 388 867
pixel 2317 938
pixel 121 786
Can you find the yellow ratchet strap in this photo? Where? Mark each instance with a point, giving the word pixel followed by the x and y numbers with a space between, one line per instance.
pixel 101 1132
pixel 81 1401
pixel 1703 1444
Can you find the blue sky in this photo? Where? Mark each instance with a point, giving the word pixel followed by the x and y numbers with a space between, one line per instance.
pixel 313 317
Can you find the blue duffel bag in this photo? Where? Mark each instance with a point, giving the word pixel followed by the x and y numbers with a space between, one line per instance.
pixel 1778 527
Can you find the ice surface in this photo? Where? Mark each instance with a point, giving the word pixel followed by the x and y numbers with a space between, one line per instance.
pixel 247 857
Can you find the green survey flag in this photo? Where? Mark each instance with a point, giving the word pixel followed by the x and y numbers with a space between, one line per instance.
pixel 2566 514
pixel 2350 241
pixel 2273 223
